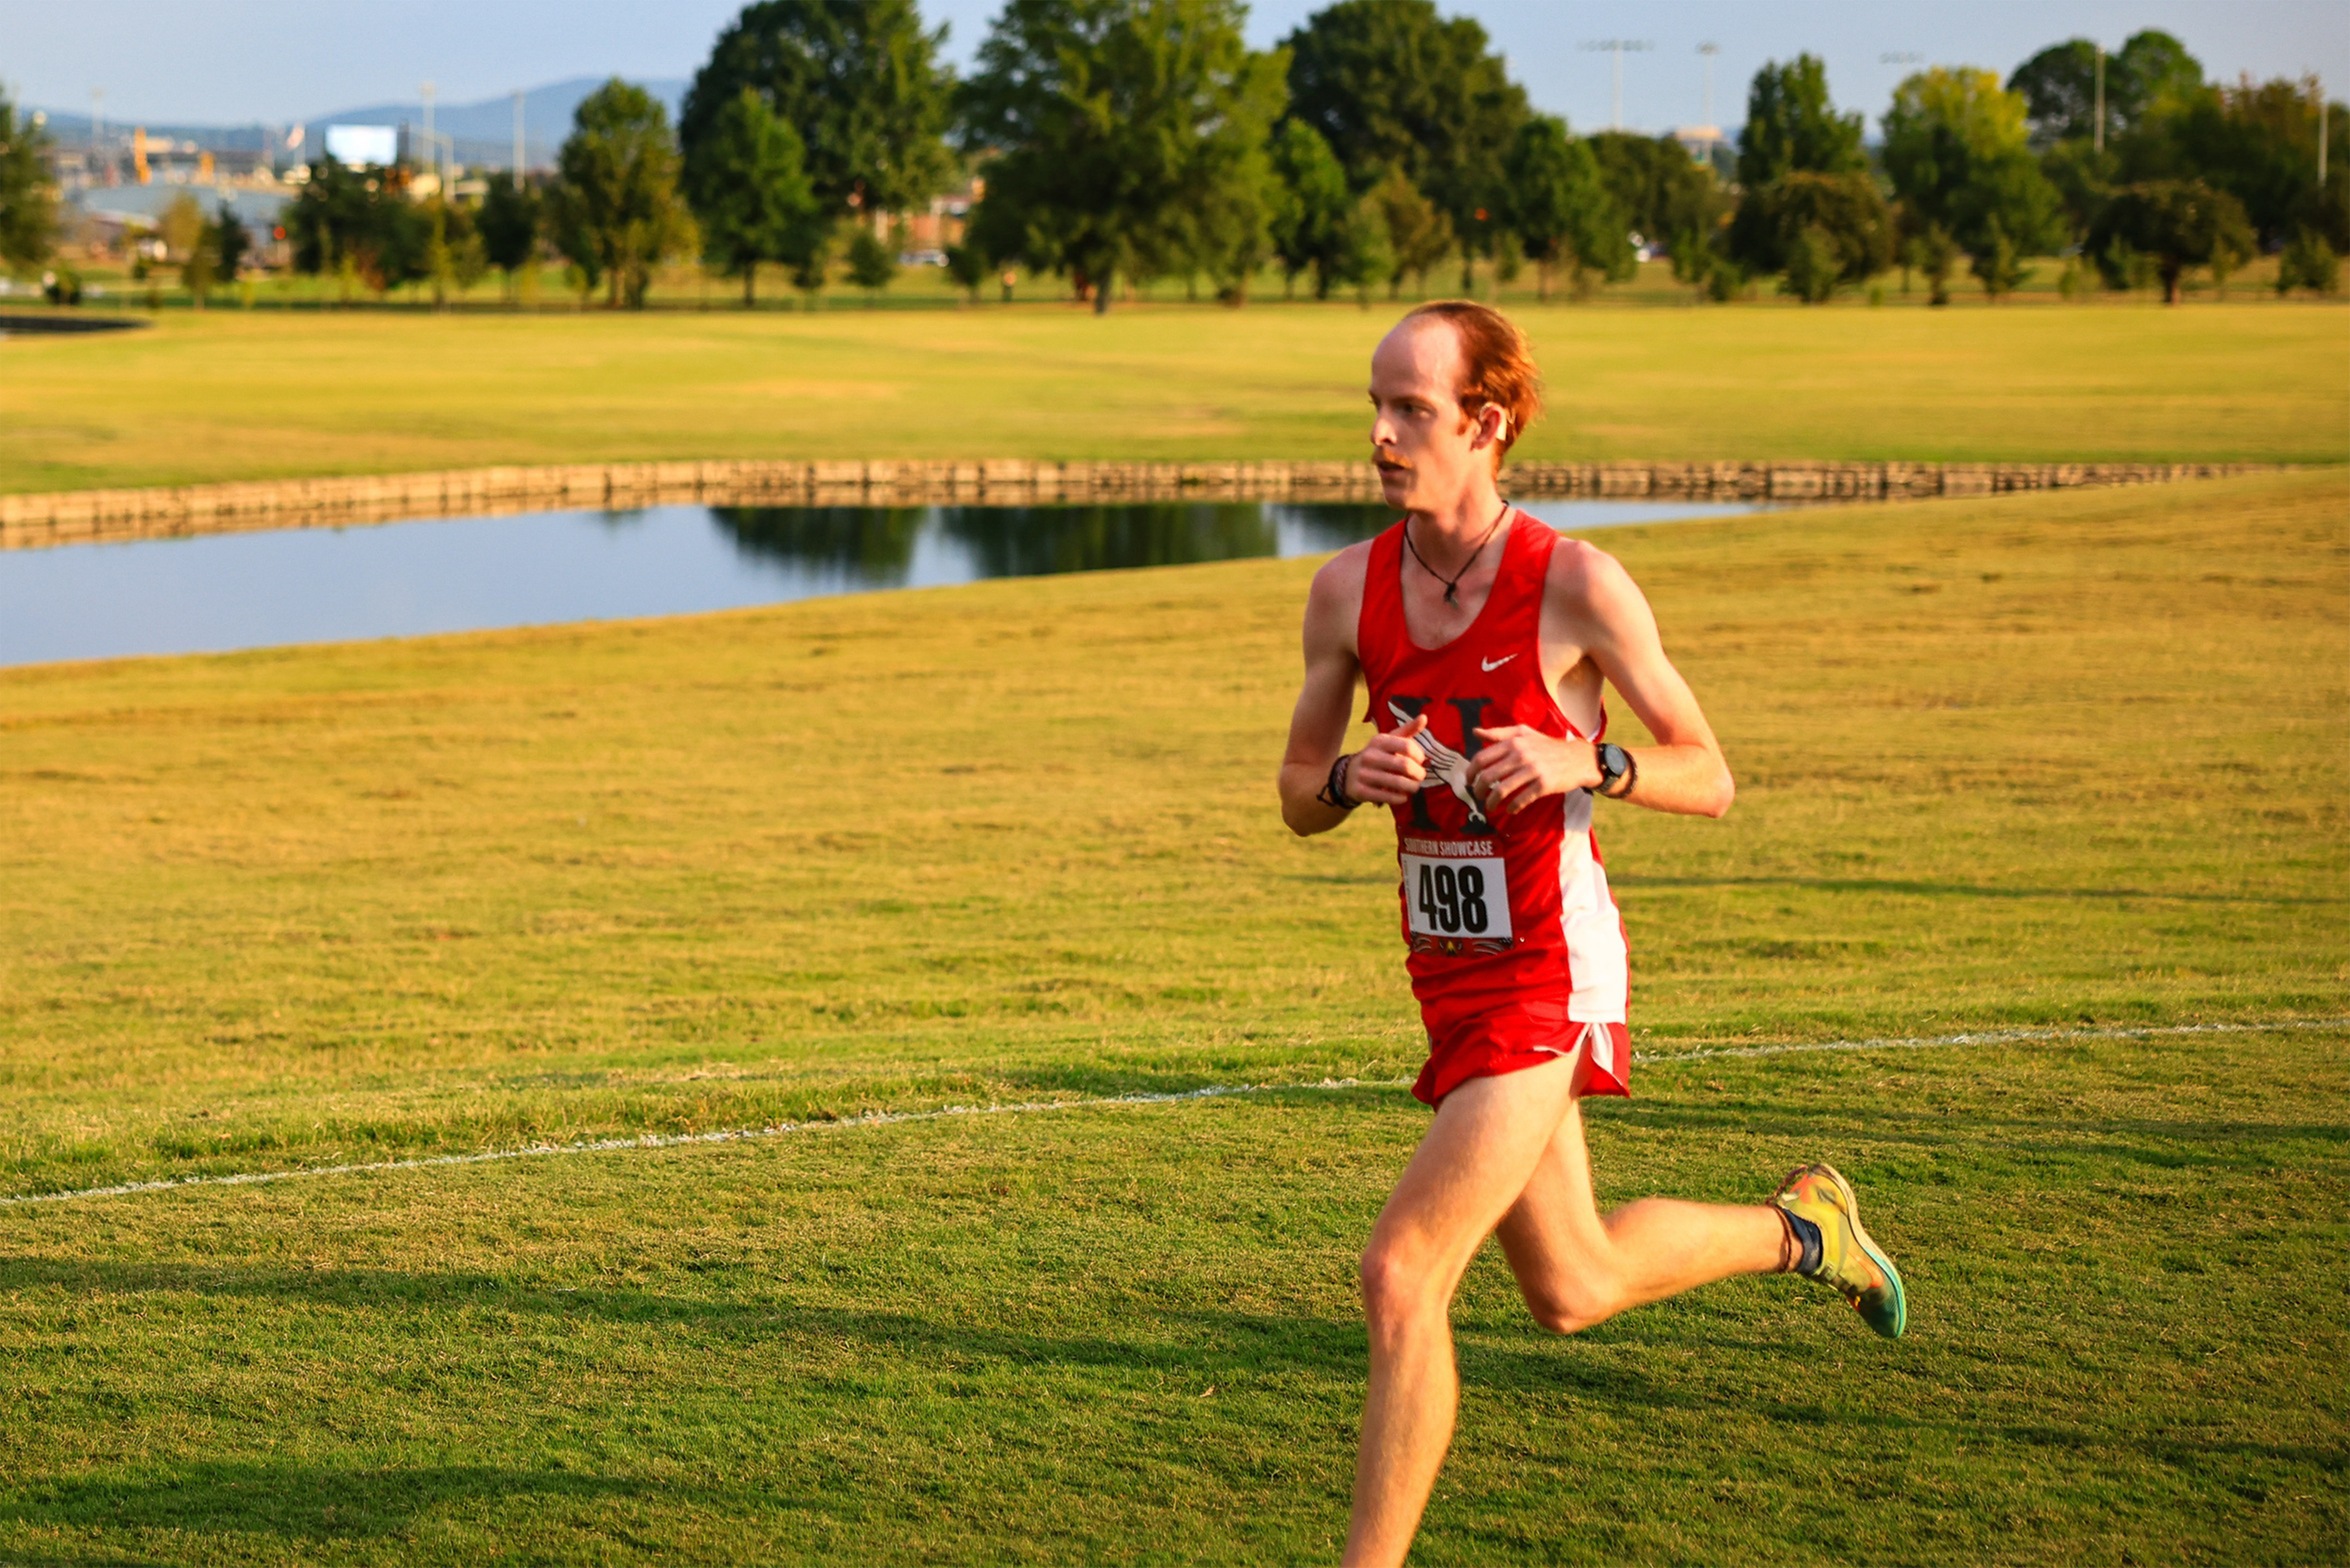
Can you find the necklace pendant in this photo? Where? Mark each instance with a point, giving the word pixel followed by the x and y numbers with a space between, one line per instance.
pixel 1451 590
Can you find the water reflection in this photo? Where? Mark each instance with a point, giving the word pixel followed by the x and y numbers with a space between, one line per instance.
pixel 253 590
pixel 880 546
pixel 869 545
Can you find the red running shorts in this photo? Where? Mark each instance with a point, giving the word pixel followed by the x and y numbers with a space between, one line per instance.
pixel 1482 1040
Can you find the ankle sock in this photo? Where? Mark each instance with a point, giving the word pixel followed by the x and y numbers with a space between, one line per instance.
pixel 1807 1243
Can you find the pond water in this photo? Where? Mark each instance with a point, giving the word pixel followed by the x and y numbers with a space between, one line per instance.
pixel 219 592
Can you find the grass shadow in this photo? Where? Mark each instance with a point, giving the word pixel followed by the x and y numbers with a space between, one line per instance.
pixel 297 1502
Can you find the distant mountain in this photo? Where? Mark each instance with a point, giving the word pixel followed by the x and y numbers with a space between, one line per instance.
pixel 483 131
pixel 546 112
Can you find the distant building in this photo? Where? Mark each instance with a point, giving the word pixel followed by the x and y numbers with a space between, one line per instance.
pixel 1699 141
pixel 928 231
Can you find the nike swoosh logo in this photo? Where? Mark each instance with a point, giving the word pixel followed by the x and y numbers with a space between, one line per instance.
pixel 1490 665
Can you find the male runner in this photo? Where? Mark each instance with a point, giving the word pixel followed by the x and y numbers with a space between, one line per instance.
pixel 1484 638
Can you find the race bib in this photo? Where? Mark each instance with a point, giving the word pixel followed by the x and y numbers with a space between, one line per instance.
pixel 1463 897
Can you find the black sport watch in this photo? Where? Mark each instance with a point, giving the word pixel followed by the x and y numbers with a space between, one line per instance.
pixel 1615 766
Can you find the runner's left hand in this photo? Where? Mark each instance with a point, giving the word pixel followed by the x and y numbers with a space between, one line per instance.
pixel 1518 765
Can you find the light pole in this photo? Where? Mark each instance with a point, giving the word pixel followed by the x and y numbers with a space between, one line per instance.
pixel 2097 133
pixel 1709 51
pixel 1616 47
pixel 518 136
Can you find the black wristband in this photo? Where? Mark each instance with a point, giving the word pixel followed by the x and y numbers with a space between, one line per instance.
pixel 1334 788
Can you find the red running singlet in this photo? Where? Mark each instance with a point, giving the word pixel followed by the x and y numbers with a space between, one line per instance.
pixel 1517 954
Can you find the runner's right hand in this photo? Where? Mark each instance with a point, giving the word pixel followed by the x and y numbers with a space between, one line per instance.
pixel 1389 770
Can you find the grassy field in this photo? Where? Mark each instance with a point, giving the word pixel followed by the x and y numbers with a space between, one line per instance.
pixel 2048 763
pixel 233 394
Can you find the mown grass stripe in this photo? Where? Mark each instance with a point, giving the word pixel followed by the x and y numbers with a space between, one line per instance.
pixel 1104 1102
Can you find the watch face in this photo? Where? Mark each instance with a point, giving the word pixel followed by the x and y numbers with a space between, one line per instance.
pixel 1611 762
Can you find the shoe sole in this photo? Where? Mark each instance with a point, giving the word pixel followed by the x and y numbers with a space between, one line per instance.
pixel 1876 1253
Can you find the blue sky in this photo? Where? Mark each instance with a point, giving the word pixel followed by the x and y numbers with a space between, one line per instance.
pixel 236 61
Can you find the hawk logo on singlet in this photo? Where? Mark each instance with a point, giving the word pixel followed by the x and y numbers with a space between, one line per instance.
pixel 1447 768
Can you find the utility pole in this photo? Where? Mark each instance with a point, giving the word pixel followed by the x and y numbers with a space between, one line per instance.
pixel 2321 136
pixel 98 126
pixel 2100 130
pixel 1616 47
pixel 518 136
pixel 1709 51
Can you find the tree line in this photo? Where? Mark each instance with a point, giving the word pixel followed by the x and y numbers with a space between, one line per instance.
pixel 1116 142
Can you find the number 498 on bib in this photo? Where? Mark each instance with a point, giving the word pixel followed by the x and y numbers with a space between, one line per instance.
pixel 1443 896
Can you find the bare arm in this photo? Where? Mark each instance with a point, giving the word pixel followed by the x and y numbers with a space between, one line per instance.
pixel 1390 767
pixel 1602 611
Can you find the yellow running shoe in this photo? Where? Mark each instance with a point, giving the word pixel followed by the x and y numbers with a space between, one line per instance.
pixel 1849 1260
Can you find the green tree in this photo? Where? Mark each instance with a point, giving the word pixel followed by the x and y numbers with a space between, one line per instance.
pixel 1812 270
pixel 231 242
pixel 616 191
pixel 2153 72
pixel 28 202
pixel 2177 224
pixel 873 266
pixel 2309 263
pixel 1392 84
pixel 2083 176
pixel 1704 265
pixel 1115 123
pixel 1958 152
pixel 455 258
pixel 2059 85
pixel 810 262
pixel 1229 232
pixel 181 227
pixel 1792 126
pixel 858 80
pixel 1560 209
pixel 1661 190
pixel 968 266
pixel 1792 129
pixel 750 190
pixel 1844 212
pixel 2059 89
pixel 1419 235
pixel 1312 206
pixel 1364 256
pixel 2258 142
pixel 214 254
pixel 509 225
pixel 199 267
pixel 348 223
pixel 1997 265
pixel 1935 254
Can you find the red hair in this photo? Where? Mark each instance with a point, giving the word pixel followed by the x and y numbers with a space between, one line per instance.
pixel 1497 366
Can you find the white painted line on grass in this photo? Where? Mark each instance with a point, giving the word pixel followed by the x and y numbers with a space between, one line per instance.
pixel 684 1140
pixel 1991 1037
pixel 681 1140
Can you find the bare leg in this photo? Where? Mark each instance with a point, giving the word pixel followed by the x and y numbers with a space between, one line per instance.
pixel 1486 1143
pixel 1506 1156
pixel 1577 1267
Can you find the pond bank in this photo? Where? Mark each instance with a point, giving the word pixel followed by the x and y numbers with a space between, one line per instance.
pixel 82 516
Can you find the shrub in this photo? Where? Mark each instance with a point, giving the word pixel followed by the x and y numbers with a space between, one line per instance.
pixel 2308 262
